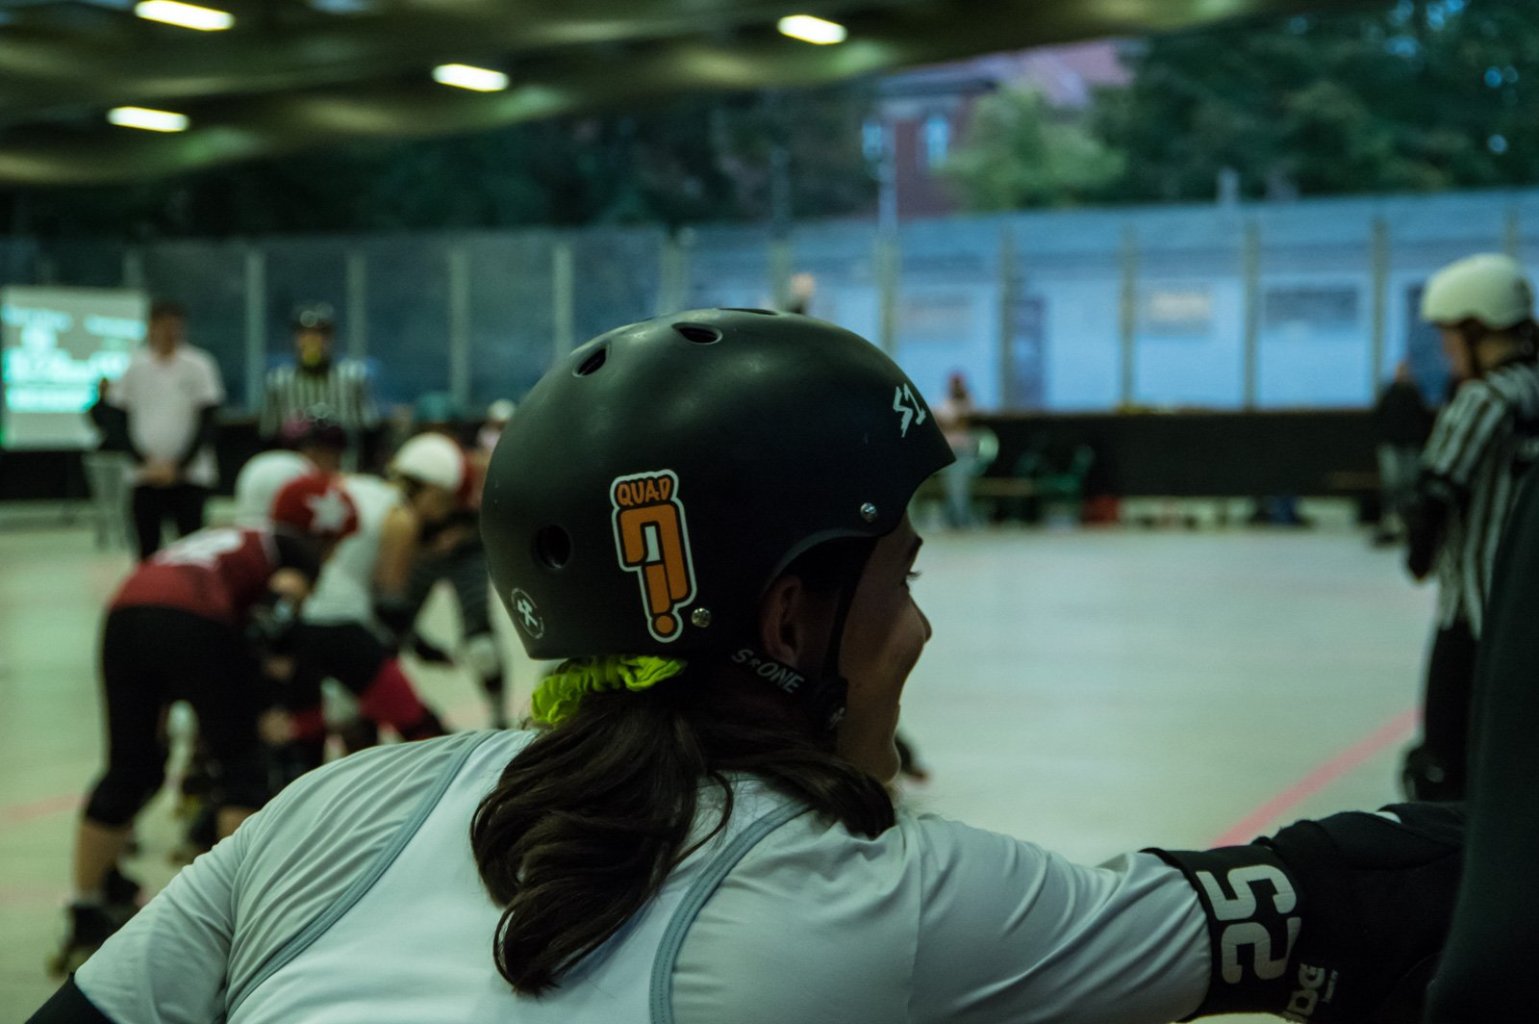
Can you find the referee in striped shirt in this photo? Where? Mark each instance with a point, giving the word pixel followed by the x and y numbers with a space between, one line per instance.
pixel 317 386
pixel 1480 447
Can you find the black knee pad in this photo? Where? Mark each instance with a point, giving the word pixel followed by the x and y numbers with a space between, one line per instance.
pixel 120 796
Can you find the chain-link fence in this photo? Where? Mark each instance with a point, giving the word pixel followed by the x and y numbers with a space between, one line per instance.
pixel 1303 304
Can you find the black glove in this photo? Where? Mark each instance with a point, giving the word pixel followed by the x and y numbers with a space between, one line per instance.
pixel 1425 517
pixel 1336 921
pixel 270 626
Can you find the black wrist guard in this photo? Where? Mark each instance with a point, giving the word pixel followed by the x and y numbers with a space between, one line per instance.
pixel 270 627
pixel 1254 913
pixel 1336 921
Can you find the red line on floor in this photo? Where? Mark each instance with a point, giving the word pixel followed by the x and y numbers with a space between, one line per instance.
pixel 19 814
pixel 1258 820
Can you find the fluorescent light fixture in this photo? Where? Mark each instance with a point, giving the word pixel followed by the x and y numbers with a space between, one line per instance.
pixel 811 30
pixel 147 119
pixel 204 19
pixel 463 76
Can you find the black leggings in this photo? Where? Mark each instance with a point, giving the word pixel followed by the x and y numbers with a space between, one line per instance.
pixel 183 503
pixel 150 658
pixel 1493 943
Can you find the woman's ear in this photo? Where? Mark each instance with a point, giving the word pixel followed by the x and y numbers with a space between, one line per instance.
pixel 792 626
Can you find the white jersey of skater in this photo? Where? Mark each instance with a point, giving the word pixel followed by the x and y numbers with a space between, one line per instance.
pixel 784 916
pixel 345 591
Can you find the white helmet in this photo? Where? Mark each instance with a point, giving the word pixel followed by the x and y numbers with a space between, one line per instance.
pixel 1488 288
pixel 431 459
pixel 259 482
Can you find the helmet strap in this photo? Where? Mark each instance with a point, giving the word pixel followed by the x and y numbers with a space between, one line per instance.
pixel 822 697
pixel 1471 334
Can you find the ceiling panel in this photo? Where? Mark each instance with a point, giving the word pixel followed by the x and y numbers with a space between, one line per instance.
pixel 293 74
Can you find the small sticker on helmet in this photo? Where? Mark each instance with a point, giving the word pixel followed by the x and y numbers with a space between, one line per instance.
pixel 652 541
pixel 911 409
pixel 525 614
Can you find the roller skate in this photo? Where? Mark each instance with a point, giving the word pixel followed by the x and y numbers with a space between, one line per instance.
pixel 89 927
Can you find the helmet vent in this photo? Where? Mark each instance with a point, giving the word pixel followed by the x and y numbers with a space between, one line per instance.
pixel 595 360
pixel 552 547
pixel 698 333
pixel 749 309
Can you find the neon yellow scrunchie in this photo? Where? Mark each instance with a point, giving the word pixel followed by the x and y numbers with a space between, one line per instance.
pixel 556 698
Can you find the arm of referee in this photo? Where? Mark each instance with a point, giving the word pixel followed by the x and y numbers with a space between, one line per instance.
pixel 1461 438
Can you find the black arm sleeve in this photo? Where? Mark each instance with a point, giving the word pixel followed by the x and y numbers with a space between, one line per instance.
pixel 1493 943
pixel 128 438
pixel 204 435
pixel 1335 921
pixel 112 423
pixel 69 1006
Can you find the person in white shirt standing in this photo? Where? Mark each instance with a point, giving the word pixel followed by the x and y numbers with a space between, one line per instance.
pixel 170 393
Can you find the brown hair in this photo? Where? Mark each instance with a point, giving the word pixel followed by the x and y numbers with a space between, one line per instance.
pixel 589 820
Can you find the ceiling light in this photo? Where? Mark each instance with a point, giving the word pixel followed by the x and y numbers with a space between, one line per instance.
pixel 204 19
pixel 463 76
pixel 149 120
pixel 811 30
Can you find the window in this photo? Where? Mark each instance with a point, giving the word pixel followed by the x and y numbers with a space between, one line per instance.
pixel 1176 311
pixel 1313 307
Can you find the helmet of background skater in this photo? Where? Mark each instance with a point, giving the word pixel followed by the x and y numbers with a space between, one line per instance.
pixel 314 316
pixel 259 482
pixel 1489 288
pixel 314 428
pixel 315 505
pixel 431 459
pixel 436 410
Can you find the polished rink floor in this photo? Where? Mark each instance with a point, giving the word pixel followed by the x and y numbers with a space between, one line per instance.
pixel 1094 691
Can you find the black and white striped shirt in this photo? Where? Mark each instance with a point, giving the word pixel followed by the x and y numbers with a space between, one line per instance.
pixel 341 393
pixel 1480 446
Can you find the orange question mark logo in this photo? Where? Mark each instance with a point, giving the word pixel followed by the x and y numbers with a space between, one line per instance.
pixel 652 540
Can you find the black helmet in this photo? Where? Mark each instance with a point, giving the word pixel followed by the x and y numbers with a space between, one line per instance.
pixel 315 427
pixel 659 478
pixel 314 316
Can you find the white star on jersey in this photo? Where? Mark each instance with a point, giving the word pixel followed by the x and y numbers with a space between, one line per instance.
pixel 328 512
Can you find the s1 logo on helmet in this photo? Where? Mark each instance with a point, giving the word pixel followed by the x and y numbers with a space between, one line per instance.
pixel 908 407
pixel 652 541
